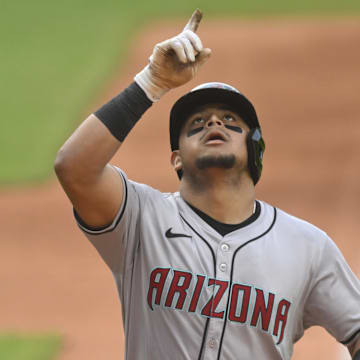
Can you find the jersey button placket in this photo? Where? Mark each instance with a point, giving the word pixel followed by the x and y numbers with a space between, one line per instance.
pixel 225 247
pixel 212 343
pixel 223 257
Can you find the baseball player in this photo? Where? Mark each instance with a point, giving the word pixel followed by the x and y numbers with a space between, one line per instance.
pixel 208 272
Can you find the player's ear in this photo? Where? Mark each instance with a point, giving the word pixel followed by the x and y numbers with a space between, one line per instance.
pixel 176 160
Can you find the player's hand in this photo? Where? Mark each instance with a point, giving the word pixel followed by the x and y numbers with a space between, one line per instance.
pixel 175 61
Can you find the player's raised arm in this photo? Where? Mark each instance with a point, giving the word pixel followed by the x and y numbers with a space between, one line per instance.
pixel 82 164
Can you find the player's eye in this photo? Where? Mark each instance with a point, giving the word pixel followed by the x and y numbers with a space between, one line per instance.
pixel 229 118
pixel 198 120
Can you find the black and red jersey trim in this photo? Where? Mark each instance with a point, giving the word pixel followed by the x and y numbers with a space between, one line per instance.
pixel 107 228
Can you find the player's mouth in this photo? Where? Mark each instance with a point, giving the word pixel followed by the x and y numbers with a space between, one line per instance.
pixel 214 137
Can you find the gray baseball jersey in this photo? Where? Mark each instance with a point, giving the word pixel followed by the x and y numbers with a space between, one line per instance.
pixel 189 293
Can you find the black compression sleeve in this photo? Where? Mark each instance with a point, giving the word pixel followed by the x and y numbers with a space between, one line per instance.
pixel 121 113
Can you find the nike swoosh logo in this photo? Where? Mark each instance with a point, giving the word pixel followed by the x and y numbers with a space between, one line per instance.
pixel 169 234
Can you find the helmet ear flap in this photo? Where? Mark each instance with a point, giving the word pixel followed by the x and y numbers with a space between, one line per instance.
pixel 256 147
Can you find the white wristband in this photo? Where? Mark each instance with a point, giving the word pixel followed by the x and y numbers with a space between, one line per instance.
pixel 144 80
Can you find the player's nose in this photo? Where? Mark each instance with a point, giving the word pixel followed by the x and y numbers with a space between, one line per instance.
pixel 214 120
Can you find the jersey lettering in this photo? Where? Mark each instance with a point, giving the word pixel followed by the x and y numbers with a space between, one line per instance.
pixel 281 316
pixel 180 289
pixel 261 308
pixel 243 299
pixel 210 307
pixel 246 291
pixel 157 282
pixel 196 294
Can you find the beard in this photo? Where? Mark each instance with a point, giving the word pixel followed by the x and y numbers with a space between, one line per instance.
pixel 216 161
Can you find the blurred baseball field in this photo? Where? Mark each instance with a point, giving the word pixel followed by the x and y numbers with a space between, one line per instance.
pixel 57 57
pixel 58 60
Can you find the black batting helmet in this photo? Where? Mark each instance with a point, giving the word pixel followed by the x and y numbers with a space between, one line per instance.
pixel 220 93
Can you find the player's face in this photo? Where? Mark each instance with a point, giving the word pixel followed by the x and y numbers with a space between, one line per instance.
pixel 212 137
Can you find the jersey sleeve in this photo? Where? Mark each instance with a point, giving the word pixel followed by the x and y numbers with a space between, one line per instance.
pixel 117 242
pixel 334 299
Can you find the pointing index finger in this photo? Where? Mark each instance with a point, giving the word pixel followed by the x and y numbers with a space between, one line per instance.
pixel 194 21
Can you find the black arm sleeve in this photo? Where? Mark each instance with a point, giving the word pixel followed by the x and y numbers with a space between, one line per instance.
pixel 121 113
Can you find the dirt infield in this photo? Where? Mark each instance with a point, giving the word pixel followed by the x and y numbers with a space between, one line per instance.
pixel 303 77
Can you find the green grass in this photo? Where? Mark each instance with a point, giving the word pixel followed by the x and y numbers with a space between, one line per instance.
pixel 29 347
pixel 56 58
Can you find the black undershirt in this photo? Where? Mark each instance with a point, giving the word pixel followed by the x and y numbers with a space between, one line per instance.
pixel 223 228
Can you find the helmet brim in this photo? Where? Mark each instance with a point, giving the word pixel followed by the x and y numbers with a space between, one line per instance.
pixel 188 103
